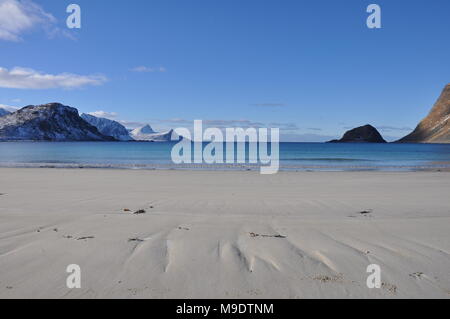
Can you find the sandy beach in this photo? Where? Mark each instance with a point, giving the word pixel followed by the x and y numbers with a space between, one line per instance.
pixel 211 234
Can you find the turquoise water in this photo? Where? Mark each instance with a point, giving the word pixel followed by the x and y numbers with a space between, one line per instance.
pixel 293 156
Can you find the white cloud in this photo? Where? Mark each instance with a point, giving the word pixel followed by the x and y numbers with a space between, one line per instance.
pixel 19 16
pixel 145 69
pixel 23 78
pixel 8 108
pixel 104 114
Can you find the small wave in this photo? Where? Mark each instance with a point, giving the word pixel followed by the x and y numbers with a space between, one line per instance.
pixel 326 159
pixel 235 167
pixel 51 162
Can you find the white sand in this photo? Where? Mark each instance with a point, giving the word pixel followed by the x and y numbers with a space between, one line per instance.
pixel 197 242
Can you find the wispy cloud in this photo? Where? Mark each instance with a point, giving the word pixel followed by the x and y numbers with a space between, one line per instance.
pixel 131 124
pixel 214 123
pixel 146 69
pixel 284 126
pixel 268 104
pixel 393 128
pixel 20 16
pixel 23 78
pixel 104 114
pixel 232 123
pixel 306 137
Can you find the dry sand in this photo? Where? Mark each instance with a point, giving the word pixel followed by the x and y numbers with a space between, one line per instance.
pixel 223 234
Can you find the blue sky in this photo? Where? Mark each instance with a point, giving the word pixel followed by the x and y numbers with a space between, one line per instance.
pixel 312 68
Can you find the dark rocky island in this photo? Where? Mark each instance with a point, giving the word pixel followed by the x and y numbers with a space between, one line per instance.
pixel 363 134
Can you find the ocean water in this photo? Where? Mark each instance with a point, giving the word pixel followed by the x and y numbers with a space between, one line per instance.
pixel 293 156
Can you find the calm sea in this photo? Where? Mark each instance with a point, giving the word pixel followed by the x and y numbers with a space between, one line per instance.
pixel 293 156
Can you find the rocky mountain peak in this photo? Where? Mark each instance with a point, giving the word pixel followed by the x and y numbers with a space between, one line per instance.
pixel 48 122
pixel 435 128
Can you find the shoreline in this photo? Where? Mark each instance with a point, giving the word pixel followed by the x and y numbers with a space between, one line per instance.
pixel 231 167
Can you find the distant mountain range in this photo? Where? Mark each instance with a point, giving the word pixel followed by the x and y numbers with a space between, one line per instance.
pixel 146 133
pixel 57 122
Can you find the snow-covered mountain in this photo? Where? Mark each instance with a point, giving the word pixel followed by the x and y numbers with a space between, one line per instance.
pixel 144 130
pixel 146 133
pixel 108 127
pixel 49 122
pixel 4 112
